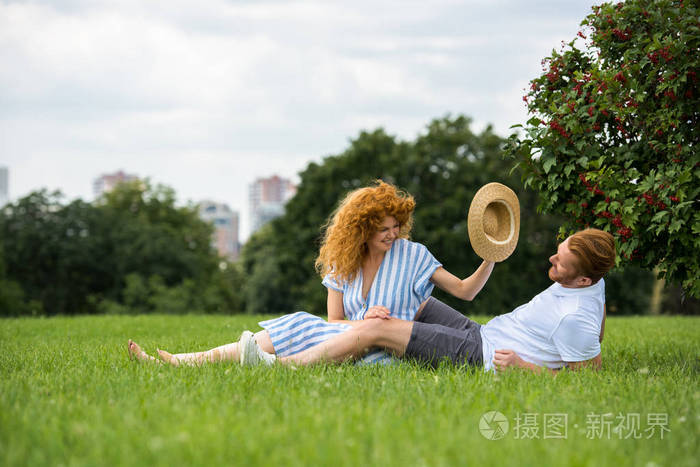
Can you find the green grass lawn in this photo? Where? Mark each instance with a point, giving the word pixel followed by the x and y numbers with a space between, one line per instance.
pixel 70 396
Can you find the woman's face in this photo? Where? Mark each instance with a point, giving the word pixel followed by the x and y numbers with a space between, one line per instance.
pixel 383 238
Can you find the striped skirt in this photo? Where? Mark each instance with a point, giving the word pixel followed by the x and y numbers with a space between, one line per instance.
pixel 291 334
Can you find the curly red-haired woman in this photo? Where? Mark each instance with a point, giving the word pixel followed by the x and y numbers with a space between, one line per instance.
pixel 371 270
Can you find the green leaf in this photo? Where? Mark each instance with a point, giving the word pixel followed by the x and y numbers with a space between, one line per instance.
pixel 676 225
pixel 547 165
pixel 659 216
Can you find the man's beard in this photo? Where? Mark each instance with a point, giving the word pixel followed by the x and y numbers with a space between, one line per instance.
pixel 561 279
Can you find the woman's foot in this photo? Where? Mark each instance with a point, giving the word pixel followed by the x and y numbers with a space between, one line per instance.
pixel 167 357
pixel 135 353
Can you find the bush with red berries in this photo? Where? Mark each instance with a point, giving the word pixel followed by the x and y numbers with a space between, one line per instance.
pixel 612 141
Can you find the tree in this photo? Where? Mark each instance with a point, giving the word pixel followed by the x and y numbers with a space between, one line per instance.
pixel 149 235
pixel 47 251
pixel 132 251
pixel 613 134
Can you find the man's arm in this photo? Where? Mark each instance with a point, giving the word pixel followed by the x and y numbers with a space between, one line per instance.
pixel 504 359
pixel 602 325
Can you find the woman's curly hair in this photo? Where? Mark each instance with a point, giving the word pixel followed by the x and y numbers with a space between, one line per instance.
pixel 357 218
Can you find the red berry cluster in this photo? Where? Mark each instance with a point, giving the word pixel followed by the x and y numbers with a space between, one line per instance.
pixel 593 189
pixel 625 233
pixel 622 230
pixel 652 200
pixel 578 85
pixel 553 74
pixel 622 35
pixel 554 125
pixel 663 53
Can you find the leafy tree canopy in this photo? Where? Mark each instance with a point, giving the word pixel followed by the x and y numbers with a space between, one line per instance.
pixel 131 251
pixel 613 137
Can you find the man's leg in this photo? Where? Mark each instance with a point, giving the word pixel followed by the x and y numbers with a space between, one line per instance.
pixel 391 334
pixel 442 332
pixel 436 312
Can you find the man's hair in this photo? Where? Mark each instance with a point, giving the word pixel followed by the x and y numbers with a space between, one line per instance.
pixel 595 251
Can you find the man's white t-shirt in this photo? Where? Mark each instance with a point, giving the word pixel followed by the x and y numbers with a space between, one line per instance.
pixel 558 325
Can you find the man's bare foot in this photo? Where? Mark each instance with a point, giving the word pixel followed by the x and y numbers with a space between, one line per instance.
pixel 167 357
pixel 135 353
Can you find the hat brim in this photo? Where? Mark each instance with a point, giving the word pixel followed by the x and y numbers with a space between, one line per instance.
pixel 502 204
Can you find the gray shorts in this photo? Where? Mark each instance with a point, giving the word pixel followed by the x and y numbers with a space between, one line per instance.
pixel 442 332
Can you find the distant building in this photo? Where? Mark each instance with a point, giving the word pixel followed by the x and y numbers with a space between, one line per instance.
pixel 4 186
pixel 106 182
pixel 225 222
pixel 267 198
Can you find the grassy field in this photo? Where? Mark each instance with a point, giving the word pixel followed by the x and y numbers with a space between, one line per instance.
pixel 70 396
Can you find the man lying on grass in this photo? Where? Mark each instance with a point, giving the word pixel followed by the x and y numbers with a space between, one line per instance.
pixel 561 326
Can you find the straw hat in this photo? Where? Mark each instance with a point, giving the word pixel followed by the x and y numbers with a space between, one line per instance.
pixel 494 222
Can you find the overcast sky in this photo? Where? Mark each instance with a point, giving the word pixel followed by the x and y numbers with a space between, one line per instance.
pixel 205 96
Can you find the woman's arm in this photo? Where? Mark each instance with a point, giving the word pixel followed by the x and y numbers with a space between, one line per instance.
pixel 466 289
pixel 336 312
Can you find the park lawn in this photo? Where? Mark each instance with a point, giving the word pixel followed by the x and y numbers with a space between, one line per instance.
pixel 70 396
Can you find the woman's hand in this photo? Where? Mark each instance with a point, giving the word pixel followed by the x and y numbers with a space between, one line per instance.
pixel 378 311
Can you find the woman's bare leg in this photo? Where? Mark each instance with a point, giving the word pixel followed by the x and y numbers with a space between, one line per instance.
pixel 223 353
pixel 391 334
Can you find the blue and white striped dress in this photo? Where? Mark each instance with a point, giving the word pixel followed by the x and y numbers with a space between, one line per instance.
pixel 401 284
